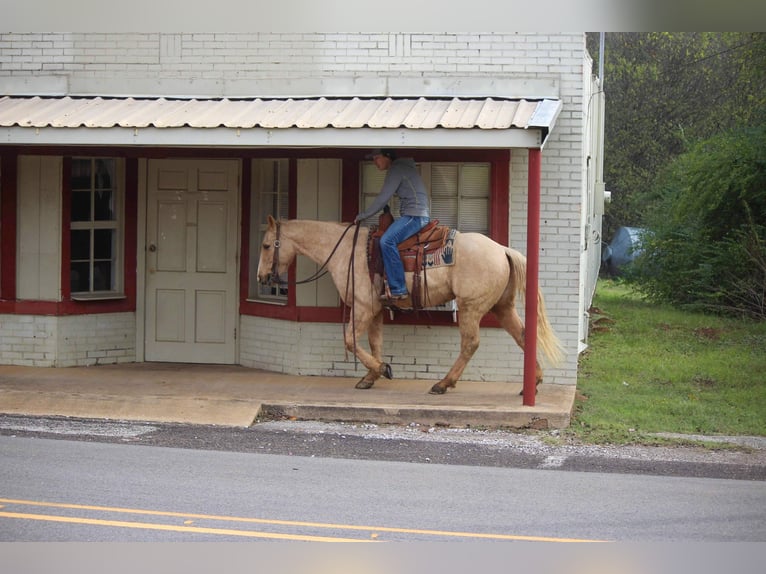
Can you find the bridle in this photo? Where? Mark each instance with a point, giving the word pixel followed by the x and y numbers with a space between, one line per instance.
pixel 274 277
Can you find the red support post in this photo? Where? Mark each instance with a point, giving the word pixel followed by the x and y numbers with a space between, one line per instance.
pixel 533 268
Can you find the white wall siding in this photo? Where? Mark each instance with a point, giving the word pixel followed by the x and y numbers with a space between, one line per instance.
pixel 38 275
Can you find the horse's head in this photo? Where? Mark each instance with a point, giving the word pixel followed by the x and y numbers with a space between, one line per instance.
pixel 276 254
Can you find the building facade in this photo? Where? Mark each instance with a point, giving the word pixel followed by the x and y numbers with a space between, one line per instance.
pixel 137 172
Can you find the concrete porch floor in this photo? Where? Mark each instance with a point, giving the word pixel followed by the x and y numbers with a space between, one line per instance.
pixel 229 395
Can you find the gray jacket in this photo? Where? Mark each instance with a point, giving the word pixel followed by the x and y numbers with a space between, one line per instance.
pixel 402 180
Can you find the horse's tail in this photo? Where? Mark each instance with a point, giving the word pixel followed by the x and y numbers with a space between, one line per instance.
pixel 547 340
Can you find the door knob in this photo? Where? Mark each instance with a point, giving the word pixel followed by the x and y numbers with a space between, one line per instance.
pixel 152 247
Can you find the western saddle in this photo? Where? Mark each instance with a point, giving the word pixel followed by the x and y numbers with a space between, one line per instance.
pixel 413 251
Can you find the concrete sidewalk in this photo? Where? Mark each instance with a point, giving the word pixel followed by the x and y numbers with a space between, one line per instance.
pixel 235 396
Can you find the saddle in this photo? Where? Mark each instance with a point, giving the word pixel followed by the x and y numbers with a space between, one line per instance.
pixel 429 247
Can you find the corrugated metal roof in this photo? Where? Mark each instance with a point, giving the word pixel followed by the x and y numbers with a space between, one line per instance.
pixel 303 113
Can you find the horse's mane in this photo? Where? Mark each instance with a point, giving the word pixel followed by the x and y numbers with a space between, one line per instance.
pixel 312 224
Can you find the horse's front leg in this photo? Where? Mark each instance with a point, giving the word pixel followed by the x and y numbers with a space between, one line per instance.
pixel 355 329
pixel 375 338
pixel 469 342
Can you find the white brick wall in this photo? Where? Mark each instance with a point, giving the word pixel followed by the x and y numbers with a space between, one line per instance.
pixel 264 63
pixel 414 352
pixel 74 340
pixel 27 340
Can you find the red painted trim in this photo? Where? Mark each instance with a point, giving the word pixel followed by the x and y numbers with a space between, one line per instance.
pixel 320 314
pixel 499 200
pixel 350 191
pixel 533 267
pixel 130 238
pixel 292 213
pixel 60 308
pixel 8 233
pixel 271 311
pixel 244 248
pixel 129 251
pixel 8 207
pixel 350 157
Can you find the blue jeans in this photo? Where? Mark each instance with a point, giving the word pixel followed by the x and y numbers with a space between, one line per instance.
pixel 402 228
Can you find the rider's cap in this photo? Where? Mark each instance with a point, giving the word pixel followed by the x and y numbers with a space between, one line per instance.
pixel 389 153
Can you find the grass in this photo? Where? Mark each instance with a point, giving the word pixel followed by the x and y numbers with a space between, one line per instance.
pixel 651 368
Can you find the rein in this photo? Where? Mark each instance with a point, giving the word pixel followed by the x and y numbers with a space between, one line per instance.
pixel 322 271
pixel 319 273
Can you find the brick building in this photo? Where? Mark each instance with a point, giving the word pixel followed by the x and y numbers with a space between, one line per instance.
pixel 137 171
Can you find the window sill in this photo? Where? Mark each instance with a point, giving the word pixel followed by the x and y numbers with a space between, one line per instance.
pixel 101 296
pixel 268 302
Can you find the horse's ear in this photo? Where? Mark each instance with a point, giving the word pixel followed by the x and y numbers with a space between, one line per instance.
pixel 272 222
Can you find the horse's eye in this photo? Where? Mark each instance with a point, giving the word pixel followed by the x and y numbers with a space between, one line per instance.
pixel 266 246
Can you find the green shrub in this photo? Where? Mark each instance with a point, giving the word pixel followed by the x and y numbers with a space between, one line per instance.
pixel 707 242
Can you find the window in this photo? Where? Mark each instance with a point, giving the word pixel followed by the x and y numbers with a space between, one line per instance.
pixel 95 227
pixel 459 193
pixel 269 196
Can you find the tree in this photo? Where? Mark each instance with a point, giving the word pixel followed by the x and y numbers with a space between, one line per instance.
pixel 707 241
pixel 664 92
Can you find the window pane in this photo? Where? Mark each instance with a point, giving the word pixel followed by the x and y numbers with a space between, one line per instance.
pixel 269 206
pixel 103 208
pixel 102 276
pixel 81 173
pixel 80 206
pixel 445 210
pixel 104 173
pixel 103 243
pixel 444 180
pixel 270 197
pixel 79 277
pixel 95 224
pixel 474 180
pixel 80 244
pixel 474 215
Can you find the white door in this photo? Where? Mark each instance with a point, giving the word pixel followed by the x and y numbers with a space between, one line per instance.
pixel 191 261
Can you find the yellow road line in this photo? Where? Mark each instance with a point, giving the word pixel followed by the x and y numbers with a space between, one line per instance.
pixel 171 528
pixel 276 522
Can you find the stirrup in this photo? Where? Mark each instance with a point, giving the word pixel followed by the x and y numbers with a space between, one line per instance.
pixel 398 302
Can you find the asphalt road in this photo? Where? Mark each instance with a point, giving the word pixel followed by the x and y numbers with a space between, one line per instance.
pixel 407 444
pixel 110 481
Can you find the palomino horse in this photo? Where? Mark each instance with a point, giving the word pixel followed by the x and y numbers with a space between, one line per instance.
pixel 485 277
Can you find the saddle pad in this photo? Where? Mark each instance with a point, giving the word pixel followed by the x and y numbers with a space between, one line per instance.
pixel 435 256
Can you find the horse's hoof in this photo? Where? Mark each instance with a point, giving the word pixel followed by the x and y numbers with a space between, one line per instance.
pixel 521 392
pixel 437 390
pixel 364 384
pixel 387 372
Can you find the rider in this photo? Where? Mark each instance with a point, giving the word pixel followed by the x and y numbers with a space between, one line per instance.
pixel 404 181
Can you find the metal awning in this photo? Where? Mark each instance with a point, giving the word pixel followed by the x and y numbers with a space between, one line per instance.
pixel 300 122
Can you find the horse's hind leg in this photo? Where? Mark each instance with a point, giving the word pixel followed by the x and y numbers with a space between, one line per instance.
pixel 469 342
pixel 375 338
pixel 511 322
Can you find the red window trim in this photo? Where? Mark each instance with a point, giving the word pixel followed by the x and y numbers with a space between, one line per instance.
pixel 499 201
pixel 498 223
pixel 67 306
